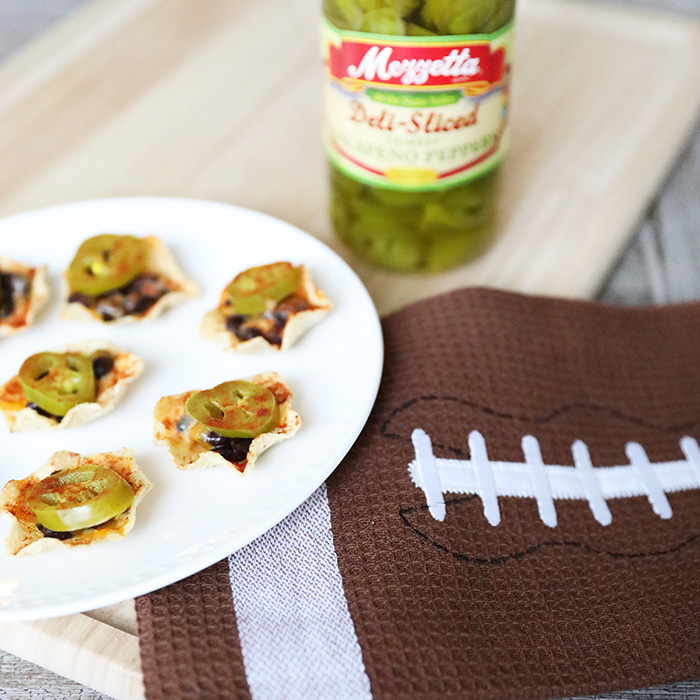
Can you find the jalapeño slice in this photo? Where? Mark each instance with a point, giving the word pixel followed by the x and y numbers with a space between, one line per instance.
pixel 106 262
pixel 73 499
pixel 260 288
pixel 56 382
pixel 235 409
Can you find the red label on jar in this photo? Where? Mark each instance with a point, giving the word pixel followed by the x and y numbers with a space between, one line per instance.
pixel 448 64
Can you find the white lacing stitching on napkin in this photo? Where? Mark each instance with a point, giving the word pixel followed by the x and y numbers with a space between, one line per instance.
pixel 532 478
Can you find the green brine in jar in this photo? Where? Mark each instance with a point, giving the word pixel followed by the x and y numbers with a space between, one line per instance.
pixel 415 124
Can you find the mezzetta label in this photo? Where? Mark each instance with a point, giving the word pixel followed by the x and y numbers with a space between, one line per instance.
pixel 412 114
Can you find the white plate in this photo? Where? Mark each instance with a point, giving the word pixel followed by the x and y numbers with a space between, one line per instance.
pixel 189 520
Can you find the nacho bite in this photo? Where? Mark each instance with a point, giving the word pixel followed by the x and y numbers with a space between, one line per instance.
pixel 73 501
pixel 70 386
pixel 24 291
pixel 267 306
pixel 230 425
pixel 122 279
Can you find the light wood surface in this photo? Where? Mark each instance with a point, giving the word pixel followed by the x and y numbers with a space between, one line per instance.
pixel 149 96
pixel 142 97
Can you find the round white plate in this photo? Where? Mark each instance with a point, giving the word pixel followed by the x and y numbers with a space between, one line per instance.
pixel 189 520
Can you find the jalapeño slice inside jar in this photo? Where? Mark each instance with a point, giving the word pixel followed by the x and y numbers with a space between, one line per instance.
pixel 73 499
pixel 260 288
pixel 235 409
pixel 56 382
pixel 106 262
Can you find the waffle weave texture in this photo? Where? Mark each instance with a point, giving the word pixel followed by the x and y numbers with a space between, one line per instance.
pixel 459 608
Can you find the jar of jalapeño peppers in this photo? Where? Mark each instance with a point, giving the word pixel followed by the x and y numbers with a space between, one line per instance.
pixel 415 124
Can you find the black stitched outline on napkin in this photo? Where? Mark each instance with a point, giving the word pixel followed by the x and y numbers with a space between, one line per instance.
pixel 536 419
pixel 533 549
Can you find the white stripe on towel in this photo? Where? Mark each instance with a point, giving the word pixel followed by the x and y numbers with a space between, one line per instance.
pixel 297 637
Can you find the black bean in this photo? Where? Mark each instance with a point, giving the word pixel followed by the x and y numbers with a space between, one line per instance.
pixel 235 321
pixel 136 297
pixel 21 286
pixel 53 534
pixel 214 439
pixel 102 365
pixel 235 451
pixel 269 324
pixel 184 423
pixel 109 306
pixel 138 305
pixel 248 333
pixel 77 297
pixel 13 288
pixel 281 317
pixel 146 284
pixel 274 337
pixel 7 299
pixel 130 303
pixel 293 303
pixel 40 410
pixel 232 449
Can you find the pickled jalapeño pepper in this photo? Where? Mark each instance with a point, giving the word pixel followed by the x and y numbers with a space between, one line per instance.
pixel 415 124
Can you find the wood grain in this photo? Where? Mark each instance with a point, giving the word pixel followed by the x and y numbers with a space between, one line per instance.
pixel 173 120
pixel 83 649
pixel 80 137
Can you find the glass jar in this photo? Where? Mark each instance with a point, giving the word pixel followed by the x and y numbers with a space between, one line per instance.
pixel 415 125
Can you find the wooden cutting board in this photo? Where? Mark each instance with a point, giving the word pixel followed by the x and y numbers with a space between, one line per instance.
pixel 220 99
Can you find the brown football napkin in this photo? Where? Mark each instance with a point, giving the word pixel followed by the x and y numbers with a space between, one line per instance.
pixel 520 518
